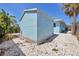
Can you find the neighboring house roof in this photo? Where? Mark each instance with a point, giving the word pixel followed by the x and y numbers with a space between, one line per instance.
pixel 61 21
pixel 34 10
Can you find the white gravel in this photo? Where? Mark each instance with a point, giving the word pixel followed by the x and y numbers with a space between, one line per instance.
pixel 62 45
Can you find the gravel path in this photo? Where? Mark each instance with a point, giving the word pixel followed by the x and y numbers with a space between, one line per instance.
pixel 62 45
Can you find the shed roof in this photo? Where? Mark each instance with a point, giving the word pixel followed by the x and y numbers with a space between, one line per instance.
pixel 34 10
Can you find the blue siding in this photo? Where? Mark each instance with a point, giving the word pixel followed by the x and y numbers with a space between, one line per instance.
pixel 62 27
pixel 45 27
pixel 36 26
pixel 28 26
pixel 59 27
pixel 56 29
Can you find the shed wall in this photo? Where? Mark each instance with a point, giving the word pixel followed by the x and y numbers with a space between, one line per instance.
pixel 28 26
pixel 44 27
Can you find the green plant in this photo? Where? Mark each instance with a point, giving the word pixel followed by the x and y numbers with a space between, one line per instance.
pixel 8 24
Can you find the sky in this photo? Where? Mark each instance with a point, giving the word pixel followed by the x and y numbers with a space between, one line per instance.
pixel 52 9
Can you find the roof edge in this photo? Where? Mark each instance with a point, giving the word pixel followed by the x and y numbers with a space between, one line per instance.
pixel 28 10
pixel 32 9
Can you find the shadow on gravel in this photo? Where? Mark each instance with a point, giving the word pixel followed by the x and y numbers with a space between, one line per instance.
pixel 50 39
pixel 19 50
pixel 10 49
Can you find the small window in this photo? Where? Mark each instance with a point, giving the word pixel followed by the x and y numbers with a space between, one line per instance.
pixel 54 24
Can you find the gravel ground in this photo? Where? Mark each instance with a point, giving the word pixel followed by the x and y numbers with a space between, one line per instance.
pixel 61 45
pixel 9 48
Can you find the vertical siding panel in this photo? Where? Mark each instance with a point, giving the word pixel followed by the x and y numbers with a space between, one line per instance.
pixel 29 26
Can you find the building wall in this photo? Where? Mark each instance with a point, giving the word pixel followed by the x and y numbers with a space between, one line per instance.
pixel 62 27
pixel 59 28
pixel 56 30
pixel 56 27
pixel 45 27
pixel 28 26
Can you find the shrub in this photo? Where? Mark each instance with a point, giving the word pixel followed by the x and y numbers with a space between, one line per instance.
pixel 8 24
pixel 8 37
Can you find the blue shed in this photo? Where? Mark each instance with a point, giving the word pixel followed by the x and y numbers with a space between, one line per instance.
pixel 35 25
pixel 59 26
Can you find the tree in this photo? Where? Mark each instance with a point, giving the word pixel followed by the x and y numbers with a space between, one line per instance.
pixel 14 27
pixel 4 22
pixel 72 10
pixel 7 22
